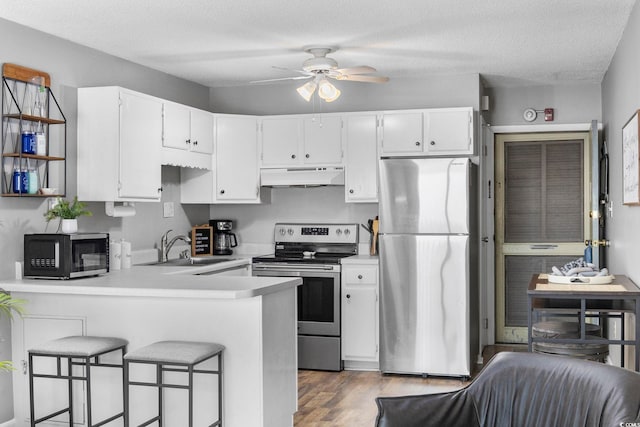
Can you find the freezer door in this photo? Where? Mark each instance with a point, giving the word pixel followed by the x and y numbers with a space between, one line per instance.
pixel 424 196
pixel 424 305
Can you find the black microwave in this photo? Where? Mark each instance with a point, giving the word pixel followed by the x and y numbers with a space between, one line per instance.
pixel 66 256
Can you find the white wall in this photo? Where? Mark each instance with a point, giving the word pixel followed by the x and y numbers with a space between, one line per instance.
pixel 72 66
pixel 621 98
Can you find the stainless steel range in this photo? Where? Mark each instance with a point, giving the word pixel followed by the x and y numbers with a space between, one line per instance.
pixel 313 253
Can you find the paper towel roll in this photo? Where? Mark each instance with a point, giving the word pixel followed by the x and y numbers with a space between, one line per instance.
pixel 126 209
pixel 115 256
pixel 125 254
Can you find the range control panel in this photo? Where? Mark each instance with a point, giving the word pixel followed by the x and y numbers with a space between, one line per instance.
pixel 316 233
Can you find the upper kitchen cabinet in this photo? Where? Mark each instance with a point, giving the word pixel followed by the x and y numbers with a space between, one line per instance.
pixel 301 141
pixel 187 136
pixel 361 161
pixel 281 141
pixel 438 132
pixel 119 145
pixel 323 140
pixel 401 133
pixel 449 131
pixel 235 177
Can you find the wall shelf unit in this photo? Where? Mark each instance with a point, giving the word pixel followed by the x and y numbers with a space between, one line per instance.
pixel 30 107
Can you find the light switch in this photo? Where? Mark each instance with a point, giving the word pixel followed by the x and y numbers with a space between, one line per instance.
pixel 167 210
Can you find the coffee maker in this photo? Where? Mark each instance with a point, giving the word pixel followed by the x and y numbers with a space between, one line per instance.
pixel 223 238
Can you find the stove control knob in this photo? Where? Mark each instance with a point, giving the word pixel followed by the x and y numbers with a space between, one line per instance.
pixel 338 231
pixel 346 232
pixel 282 231
pixel 290 231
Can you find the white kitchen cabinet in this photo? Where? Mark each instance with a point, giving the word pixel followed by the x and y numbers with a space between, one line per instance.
pixel 236 157
pixel 187 136
pixel 119 145
pixel 323 140
pixel 360 323
pixel 301 141
pixel 281 141
pixel 429 132
pixel 449 131
pixel 402 133
pixel 361 161
pixel 235 177
pixel 50 395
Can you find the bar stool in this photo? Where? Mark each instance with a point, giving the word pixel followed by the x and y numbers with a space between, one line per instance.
pixel 174 356
pixel 82 351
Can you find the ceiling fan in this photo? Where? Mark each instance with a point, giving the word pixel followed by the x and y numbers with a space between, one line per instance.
pixel 321 67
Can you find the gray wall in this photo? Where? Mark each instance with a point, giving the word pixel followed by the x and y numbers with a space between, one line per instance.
pixel 572 103
pixel 282 98
pixel 72 66
pixel 621 98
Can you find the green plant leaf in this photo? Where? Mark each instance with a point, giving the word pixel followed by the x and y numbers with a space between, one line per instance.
pixel 65 210
pixel 9 305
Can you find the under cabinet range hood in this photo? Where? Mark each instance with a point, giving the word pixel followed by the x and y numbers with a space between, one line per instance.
pixel 301 177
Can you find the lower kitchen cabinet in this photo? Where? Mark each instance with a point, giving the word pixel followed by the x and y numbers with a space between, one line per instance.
pixel 360 323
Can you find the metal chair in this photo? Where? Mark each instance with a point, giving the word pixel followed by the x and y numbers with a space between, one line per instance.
pixel 80 351
pixel 174 356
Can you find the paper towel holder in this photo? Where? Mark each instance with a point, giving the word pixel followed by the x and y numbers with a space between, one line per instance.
pixel 121 210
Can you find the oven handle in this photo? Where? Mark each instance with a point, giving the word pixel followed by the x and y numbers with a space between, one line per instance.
pixel 293 267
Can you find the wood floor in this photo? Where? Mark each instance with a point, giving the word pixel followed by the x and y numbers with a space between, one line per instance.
pixel 346 399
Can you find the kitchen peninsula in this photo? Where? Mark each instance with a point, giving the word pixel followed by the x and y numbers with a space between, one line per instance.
pixel 253 317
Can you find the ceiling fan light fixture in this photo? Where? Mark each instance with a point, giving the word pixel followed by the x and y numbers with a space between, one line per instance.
pixel 327 91
pixel 306 90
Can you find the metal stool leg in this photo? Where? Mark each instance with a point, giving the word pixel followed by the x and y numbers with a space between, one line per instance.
pixel 70 385
pixel 160 380
pixel 32 410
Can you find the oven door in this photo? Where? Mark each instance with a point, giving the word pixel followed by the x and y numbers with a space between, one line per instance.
pixel 318 297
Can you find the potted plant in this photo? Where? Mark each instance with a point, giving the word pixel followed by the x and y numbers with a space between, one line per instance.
pixel 9 306
pixel 68 214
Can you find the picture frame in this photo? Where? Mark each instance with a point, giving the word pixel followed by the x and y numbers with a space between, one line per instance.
pixel 201 241
pixel 631 160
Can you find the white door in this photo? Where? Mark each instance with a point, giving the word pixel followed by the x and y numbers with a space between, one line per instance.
pixel 281 142
pixel 359 314
pixel 201 131
pixel 361 176
pixel 237 171
pixel 449 131
pixel 542 216
pixel 176 126
pixel 323 140
pixel 402 133
pixel 140 146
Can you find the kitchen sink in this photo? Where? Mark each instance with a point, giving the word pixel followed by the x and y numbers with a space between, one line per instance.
pixel 195 262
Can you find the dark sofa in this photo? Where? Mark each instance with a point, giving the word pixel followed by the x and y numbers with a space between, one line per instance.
pixel 526 390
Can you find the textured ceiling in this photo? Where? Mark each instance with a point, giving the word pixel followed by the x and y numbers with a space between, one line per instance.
pixel 232 42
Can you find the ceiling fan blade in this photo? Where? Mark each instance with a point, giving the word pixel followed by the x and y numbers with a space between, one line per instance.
pixel 366 79
pixel 306 73
pixel 361 69
pixel 281 79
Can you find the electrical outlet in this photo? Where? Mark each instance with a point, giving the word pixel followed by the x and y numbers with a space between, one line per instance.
pixel 167 210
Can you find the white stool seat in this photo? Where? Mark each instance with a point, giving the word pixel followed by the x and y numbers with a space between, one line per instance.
pixel 79 346
pixel 178 352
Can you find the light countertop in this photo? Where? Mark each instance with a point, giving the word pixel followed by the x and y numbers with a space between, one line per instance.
pixel 360 259
pixel 161 281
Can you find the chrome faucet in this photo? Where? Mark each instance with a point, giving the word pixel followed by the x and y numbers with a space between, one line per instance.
pixel 166 244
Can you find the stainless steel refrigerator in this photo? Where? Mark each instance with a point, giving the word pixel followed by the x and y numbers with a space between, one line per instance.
pixel 428 269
